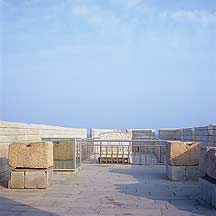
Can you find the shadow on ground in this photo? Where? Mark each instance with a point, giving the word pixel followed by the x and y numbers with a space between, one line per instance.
pixel 10 207
pixel 152 184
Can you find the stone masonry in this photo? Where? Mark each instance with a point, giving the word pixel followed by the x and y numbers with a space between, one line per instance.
pixel 31 165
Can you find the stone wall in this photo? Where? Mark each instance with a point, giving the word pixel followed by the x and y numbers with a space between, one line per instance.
pixel 18 132
pixel 142 133
pixel 167 133
pixel 95 132
pixel 205 134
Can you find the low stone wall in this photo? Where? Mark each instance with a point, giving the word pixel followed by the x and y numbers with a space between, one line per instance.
pixel 142 133
pixel 205 134
pixel 19 132
pixel 95 133
pixel 167 133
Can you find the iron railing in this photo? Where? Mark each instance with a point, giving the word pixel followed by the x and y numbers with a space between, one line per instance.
pixel 142 151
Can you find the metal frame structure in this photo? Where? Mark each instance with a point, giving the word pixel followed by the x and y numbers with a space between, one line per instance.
pixel 75 157
pixel 150 151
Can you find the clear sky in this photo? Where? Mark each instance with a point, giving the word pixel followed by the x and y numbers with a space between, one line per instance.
pixel 108 63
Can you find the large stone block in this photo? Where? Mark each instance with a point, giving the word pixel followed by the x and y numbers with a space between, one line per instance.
pixel 36 179
pixel 29 178
pixel 63 150
pixel 183 153
pixel 116 135
pixel 182 173
pixel 31 155
pixel 16 180
pixel 208 161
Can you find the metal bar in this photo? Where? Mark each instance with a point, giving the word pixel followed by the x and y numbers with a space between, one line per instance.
pixel 100 152
pixel 75 154
pixel 106 155
pixel 111 153
pixel 117 154
pixel 139 162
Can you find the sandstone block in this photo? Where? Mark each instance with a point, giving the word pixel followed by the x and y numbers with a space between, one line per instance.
pixel 31 155
pixel 36 179
pixel 63 150
pixel 208 161
pixel 183 153
pixel 16 180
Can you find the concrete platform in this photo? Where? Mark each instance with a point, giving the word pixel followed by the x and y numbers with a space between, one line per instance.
pixel 183 173
pixel 109 190
pixel 208 190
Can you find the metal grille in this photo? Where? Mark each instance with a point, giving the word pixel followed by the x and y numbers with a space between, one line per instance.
pixel 142 151
pixel 66 154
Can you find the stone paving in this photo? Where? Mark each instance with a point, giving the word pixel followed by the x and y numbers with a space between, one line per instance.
pixel 108 190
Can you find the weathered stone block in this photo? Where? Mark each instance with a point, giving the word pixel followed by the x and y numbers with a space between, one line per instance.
pixel 31 155
pixel 182 173
pixel 16 180
pixel 63 150
pixel 175 173
pixel 183 153
pixel 208 161
pixel 36 179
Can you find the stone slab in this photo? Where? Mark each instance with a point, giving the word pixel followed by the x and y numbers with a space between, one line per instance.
pixel 37 179
pixel 182 173
pixel 29 178
pixel 183 153
pixel 208 191
pixel 31 155
pixel 16 180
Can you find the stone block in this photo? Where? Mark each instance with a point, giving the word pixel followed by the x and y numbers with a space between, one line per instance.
pixel 29 178
pixel 192 173
pixel 16 180
pixel 175 173
pixel 36 179
pixel 208 191
pixel 208 161
pixel 182 173
pixel 63 150
pixel 116 135
pixel 183 153
pixel 31 155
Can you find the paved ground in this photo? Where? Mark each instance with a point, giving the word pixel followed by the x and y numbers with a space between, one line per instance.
pixel 108 190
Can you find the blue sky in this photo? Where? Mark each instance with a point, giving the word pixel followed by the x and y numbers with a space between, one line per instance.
pixel 113 63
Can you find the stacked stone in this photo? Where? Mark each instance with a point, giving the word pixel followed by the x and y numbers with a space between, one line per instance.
pixel 30 165
pixel 208 170
pixel 183 160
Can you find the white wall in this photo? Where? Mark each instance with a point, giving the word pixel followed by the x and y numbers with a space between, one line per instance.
pixel 17 132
